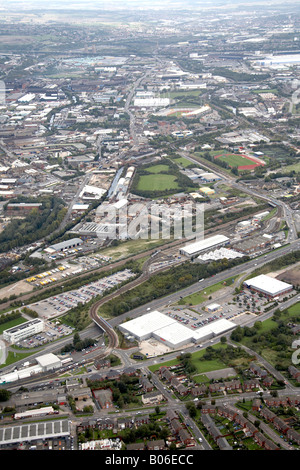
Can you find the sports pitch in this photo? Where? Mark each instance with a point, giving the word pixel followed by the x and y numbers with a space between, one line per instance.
pixel 242 162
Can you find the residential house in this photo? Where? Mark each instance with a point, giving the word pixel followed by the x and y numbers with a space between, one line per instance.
pixel 166 374
pixel 227 412
pixel 185 437
pixel 267 414
pixel 159 444
pixel 176 425
pixel 293 401
pixel 267 381
pixel 199 390
pixel 136 446
pixel 276 401
pixel 293 435
pixel 280 425
pixel 179 387
pixel 209 409
pixel 125 423
pixel 106 423
pixel 257 370
pixel 141 419
pixel 256 404
pixel 152 397
pixel 270 445
pixel 294 372
pixel 232 385
pixel 146 384
pixel 170 415
pixel 223 444
pixel 250 385
pixel 216 387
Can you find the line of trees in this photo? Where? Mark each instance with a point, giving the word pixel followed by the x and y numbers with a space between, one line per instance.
pixel 166 283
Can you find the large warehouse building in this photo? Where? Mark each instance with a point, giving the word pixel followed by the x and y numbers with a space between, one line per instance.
pixel 171 333
pixel 143 327
pixel 195 249
pixel 268 286
pixel 67 245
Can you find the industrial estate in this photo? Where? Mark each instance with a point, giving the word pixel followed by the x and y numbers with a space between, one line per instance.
pixel 149 226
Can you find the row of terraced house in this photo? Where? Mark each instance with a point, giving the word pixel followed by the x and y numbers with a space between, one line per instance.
pixel 232 415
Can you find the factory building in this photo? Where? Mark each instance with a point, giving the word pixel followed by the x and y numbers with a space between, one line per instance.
pixel 268 286
pixel 202 246
pixel 252 245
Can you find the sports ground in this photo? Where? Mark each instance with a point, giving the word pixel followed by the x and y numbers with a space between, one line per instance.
pixel 241 162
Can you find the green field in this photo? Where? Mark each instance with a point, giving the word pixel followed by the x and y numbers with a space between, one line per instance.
pixel 201 366
pixel 203 295
pixel 158 169
pixel 161 182
pixel 183 162
pixel 11 324
pixel 288 168
pixel 235 160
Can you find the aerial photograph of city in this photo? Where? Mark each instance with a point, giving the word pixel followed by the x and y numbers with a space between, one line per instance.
pixel 149 228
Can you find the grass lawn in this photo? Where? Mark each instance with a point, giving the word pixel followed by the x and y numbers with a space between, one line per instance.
pixel 160 182
pixel 235 160
pixel 200 379
pixel 288 168
pixel 158 168
pixel 201 366
pixel 268 325
pixel 203 295
pixel 14 357
pixel 292 311
pixel 182 162
pixel 11 324
pixel 181 93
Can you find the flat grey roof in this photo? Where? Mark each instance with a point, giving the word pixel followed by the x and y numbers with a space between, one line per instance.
pixel 33 431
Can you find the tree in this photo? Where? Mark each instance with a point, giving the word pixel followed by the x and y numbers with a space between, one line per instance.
pixel 5 395
pixel 76 339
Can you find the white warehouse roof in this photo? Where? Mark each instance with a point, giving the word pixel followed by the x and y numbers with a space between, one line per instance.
pixel 169 331
pixel 143 327
pixel 205 244
pixel 48 360
pixel 213 329
pixel 268 285
pixel 174 334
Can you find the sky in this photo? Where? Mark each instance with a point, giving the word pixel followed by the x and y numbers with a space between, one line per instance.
pixel 19 5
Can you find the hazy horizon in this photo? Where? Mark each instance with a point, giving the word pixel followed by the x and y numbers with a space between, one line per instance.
pixel 19 5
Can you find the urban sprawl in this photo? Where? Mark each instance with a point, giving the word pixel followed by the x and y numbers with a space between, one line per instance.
pixel 115 121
